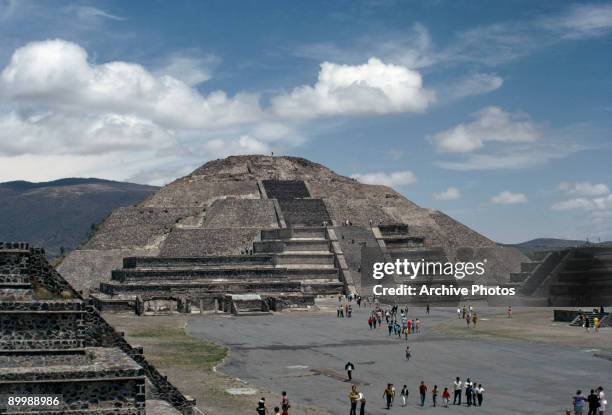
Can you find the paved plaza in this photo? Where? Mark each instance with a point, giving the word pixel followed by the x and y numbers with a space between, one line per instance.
pixel 305 354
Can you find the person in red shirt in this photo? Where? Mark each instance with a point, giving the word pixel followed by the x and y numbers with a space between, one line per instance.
pixel 445 397
pixel 423 392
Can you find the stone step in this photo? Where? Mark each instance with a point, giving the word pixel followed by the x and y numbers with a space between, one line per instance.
pixel 218 287
pixel 165 262
pixel 305 257
pixel 160 275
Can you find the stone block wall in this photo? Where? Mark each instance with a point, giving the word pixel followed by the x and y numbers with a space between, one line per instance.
pixel 241 213
pixel 203 242
pixel 41 325
pixel 134 226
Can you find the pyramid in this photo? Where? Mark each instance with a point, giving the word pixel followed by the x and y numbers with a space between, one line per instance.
pixel 252 222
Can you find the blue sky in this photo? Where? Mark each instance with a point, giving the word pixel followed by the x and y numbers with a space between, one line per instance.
pixel 497 113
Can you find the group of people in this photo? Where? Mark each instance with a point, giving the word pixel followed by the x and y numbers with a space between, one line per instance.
pixel 468 314
pixel 262 407
pixel 474 394
pixel 396 324
pixel 585 321
pixel 595 402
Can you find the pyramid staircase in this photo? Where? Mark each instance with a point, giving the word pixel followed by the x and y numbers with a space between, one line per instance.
pixel 397 242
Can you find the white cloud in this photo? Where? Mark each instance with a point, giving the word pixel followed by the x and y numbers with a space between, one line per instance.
pixel 451 193
pixel 508 198
pixel 371 88
pixel 89 13
pixel 491 124
pixel 603 203
pixel 582 21
pixel 57 73
pixel 394 179
pixel 189 68
pixel 584 188
pixel 475 84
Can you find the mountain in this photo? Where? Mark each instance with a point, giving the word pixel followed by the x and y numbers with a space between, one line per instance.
pixel 61 213
pixel 546 244
pixel 221 208
pixel 540 245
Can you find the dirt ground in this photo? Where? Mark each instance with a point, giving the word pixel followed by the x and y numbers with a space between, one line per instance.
pixel 191 364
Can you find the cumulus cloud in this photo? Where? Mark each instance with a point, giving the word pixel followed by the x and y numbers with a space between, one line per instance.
pixel 394 179
pixel 371 88
pixel 59 73
pixel 190 68
pixel 508 198
pixel 491 124
pixel 56 104
pixel 594 204
pixel 591 197
pixel 451 193
pixel 584 188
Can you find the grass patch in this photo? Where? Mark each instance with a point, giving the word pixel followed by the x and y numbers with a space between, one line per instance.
pixel 181 350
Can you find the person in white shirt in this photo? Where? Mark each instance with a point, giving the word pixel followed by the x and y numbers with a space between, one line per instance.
pixel 457 387
pixel 468 391
pixel 480 394
pixel 602 401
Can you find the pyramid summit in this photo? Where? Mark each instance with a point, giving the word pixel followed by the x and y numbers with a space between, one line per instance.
pixel 274 226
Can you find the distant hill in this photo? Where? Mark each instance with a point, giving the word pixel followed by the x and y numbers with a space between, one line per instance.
pixel 61 213
pixel 546 244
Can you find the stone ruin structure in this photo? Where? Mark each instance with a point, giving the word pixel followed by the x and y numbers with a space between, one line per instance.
pixel 53 343
pixel 572 277
pixel 282 228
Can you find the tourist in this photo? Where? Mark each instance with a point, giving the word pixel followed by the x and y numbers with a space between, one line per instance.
pixel 262 408
pixel 390 327
pixel 418 326
pixel 587 323
pixel 458 389
pixel 277 411
pixel 285 402
pixel 434 395
pixel 480 394
pixel 404 394
pixel 354 398
pixel 408 353
pixel 458 313
pixel 445 397
pixel 349 367
pixel 602 400
pixel 593 400
pixel 596 324
pixel 413 325
pixel 409 325
pixel 468 391
pixel 370 322
pixel 427 309
pixel 338 311
pixel 578 403
pixel 388 394
pixel 423 392
pixel 509 311
pixel 349 311
pixel 474 320
pixel 468 320
pixel 362 401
